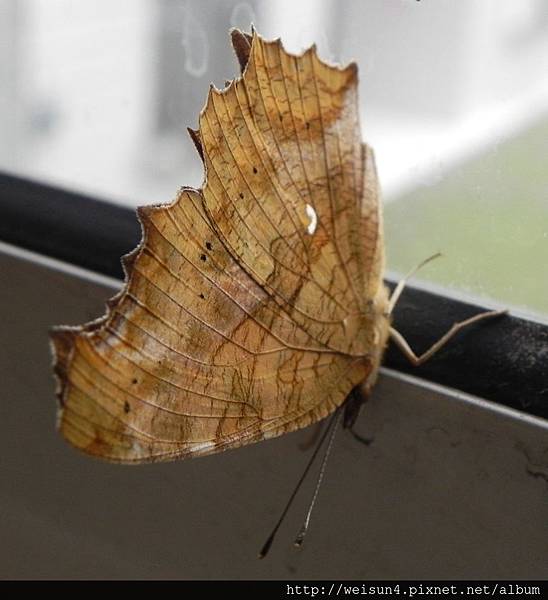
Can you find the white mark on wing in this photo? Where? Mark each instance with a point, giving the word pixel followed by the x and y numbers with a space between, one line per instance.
pixel 311 214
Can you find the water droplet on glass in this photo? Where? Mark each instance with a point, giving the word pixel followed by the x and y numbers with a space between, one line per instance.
pixel 196 44
pixel 242 16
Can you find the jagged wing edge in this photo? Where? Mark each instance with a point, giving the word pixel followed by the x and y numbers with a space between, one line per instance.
pixel 62 337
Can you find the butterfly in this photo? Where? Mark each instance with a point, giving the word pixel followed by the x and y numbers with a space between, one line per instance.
pixel 253 306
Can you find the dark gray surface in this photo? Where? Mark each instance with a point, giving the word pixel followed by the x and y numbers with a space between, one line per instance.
pixel 451 487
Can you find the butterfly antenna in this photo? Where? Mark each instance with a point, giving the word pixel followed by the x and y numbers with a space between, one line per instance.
pixel 266 547
pixel 333 430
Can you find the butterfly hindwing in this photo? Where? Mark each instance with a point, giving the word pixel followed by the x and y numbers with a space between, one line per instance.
pixel 246 311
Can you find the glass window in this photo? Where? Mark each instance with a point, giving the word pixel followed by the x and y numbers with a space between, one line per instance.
pixel 97 95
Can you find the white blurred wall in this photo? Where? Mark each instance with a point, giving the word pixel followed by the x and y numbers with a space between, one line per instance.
pixel 96 95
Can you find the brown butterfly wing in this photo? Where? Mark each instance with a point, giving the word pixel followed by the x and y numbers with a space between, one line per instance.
pixel 247 307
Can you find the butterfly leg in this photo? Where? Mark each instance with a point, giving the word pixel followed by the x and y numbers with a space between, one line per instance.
pixel 352 406
pixel 401 284
pixel 360 438
pixel 313 438
pixel 402 344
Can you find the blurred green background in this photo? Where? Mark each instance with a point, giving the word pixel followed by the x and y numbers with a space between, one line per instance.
pixel 489 218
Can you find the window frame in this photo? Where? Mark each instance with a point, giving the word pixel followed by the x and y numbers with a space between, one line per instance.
pixel 498 361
